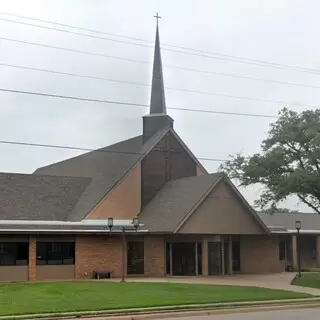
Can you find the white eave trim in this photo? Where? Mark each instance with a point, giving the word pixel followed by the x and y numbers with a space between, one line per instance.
pixel 104 222
pixel 294 231
pixel 71 231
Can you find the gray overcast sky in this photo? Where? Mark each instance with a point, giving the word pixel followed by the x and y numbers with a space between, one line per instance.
pixel 285 32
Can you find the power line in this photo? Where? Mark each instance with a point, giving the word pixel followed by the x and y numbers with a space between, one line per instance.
pixel 238 59
pixel 19 143
pixel 184 90
pixel 201 54
pixel 76 33
pixel 73 50
pixel 132 104
pixel 75 27
pixel 147 85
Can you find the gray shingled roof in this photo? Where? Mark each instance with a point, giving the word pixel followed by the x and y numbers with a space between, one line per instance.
pixel 106 166
pixel 309 221
pixel 175 200
pixel 31 197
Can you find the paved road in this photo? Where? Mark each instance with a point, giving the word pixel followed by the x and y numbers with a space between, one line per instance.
pixel 296 314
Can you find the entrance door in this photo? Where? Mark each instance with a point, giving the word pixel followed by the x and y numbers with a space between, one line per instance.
pixel 183 259
pixel 214 258
pixel 236 255
pixel 226 257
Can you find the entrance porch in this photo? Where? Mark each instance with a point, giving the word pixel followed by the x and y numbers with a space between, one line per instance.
pixel 202 255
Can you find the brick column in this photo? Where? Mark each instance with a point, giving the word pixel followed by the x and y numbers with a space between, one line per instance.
pixel 294 252
pixel 205 257
pixel 154 256
pixel 230 270
pixel 318 251
pixel 32 267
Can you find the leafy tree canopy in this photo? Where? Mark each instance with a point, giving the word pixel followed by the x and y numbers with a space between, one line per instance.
pixel 289 163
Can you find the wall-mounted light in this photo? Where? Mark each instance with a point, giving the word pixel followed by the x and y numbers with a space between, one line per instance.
pixel 110 224
pixel 135 222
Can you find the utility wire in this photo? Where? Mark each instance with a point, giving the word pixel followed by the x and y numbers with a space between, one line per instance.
pixel 75 27
pixel 147 85
pixel 163 44
pixel 230 59
pixel 134 60
pixel 76 33
pixel 147 106
pixel 19 143
pixel 73 50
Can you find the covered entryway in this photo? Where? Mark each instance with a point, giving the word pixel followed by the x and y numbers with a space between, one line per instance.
pixel 184 258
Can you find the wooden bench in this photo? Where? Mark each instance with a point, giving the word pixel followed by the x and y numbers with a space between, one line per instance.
pixel 102 274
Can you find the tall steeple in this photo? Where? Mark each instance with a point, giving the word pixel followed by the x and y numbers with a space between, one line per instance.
pixel 158 101
pixel 157 118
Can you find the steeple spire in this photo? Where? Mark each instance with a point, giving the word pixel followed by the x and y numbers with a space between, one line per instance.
pixel 157 119
pixel 158 102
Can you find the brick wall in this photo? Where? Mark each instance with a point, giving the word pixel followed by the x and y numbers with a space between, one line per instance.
pixel 98 253
pixel 260 254
pixel 32 268
pixel 154 253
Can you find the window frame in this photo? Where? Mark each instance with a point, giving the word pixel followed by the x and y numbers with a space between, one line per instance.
pixel 15 244
pixel 59 248
pixel 282 248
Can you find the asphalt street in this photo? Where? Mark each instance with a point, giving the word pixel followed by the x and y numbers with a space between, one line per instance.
pixel 295 314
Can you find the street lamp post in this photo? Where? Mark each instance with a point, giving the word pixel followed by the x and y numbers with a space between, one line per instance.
pixel 135 223
pixel 298 227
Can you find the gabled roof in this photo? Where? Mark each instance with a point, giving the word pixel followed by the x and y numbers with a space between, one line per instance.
pixel 32 197
pixel 285 222
pixel 178 199
pixel 107 167
pixel 175 201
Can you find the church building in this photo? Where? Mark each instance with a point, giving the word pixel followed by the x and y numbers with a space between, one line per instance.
pixel 141 207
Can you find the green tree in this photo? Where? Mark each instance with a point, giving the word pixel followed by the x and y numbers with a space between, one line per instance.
pixel 289 163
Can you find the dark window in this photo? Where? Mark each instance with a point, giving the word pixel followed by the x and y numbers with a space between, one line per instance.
pixel 282 249
pixel 168 258
pixel 135 257
pixel 12 254
pixel 236 258
pixel 55 253
pixel 199 250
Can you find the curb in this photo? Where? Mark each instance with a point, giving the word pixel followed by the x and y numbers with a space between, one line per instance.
pixel 175 311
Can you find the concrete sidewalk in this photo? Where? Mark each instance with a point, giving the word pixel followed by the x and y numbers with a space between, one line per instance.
pixel 281 281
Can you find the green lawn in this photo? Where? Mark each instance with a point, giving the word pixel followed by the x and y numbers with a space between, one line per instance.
pixel 81 296
pixel 308 280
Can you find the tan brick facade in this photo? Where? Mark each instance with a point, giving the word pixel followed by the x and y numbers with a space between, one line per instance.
pixel 32 268
pixel 260 254
pixel 154 253
pixel 101 252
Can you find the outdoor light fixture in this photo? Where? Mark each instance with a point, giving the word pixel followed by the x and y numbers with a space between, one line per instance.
pixel 298 227
pixel 110 224
pixel 135 222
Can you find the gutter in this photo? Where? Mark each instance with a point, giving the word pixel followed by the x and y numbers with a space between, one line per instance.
pixel 71 231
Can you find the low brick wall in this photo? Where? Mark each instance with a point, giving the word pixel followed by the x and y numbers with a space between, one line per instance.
pixel 260 254
pixel 98 252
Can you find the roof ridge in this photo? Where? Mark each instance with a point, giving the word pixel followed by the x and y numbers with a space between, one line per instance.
pixel 42 175
pixel 88 152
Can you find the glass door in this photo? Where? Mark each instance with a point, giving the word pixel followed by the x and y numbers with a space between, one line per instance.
pixel 214 258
